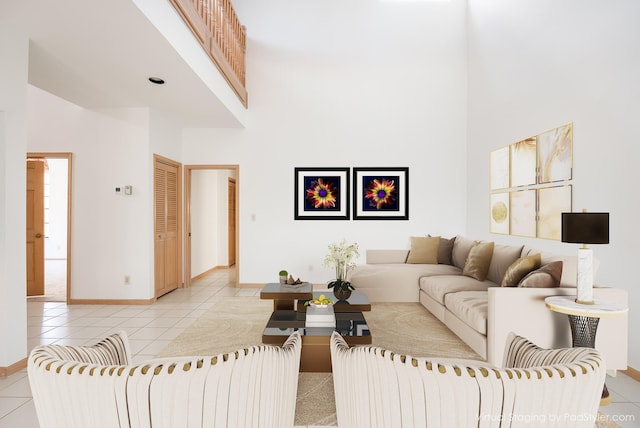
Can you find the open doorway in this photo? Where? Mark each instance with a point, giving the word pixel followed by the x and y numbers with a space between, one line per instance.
pixel 211 220
pixel 49 267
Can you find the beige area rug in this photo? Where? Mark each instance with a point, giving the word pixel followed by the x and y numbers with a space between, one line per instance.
pixel 237 322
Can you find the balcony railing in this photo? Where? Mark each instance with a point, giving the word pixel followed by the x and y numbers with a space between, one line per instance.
pixel 217 28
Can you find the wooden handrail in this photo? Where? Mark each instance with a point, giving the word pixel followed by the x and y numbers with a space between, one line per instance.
pixel 216 26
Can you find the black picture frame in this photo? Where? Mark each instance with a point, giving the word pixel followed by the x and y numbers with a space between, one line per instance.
pixel 381 193
pixel 322 193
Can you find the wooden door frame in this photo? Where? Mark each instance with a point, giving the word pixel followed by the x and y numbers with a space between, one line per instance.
pixel 68 156
pixel 187 217
pixel 235 223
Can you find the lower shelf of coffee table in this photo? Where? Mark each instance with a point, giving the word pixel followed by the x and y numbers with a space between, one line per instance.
pixel 316 351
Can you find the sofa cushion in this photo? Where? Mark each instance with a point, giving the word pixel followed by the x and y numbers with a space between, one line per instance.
pixel 437 287
pixel 519 269
pixel 548 276
pixel 424 249
pixel 386 256
pixel 470 307
pixel 478 260
pixel 396 275
pixel 503 257
pixel 461 248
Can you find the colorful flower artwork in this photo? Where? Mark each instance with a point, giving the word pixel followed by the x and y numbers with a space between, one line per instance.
pixel 322 194
pixel 381 193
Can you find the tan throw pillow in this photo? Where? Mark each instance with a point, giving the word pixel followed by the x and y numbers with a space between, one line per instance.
pixel 460 252
pixel 548 276
pixel 424 249
pixel 518 269
pixel 478 261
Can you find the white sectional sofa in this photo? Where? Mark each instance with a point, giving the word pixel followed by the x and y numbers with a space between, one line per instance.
pixel 483 313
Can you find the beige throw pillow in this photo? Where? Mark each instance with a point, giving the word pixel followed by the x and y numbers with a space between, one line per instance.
pixel 548 276
pixel 424 249
pixel 478 261
pixel 518 269
pixel 503 257
pixel 460 251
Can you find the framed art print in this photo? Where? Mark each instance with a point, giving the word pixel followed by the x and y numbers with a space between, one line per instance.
pixel 500 213
pixel 523 162
pixel 555 154
pixel 552 202
pixel 321 193
pixel 523 213
pixel 499 166
pixel 381 193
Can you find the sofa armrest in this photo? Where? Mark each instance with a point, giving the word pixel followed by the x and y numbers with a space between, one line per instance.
pixel 523 311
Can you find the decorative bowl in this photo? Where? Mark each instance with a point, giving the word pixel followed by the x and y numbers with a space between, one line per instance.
pixel 320 305
pixel 320 301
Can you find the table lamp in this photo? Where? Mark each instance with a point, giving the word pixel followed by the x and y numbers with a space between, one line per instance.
pixel 585 228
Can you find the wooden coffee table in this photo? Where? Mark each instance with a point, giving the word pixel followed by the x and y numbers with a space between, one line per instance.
pixel 289 315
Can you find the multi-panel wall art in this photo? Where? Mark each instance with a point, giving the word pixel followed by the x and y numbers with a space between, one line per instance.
pixel 531 186
pixel 378 193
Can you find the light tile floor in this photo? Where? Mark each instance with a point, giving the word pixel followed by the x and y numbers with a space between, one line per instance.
pixel 151 328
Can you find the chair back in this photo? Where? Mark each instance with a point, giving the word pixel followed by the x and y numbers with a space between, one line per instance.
pixel 375 387
pixel 251 387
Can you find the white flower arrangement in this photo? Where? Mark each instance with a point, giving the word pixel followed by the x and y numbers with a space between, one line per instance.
pixel 340 257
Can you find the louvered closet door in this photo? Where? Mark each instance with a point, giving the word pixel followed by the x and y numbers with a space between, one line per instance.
pixel 166 228
pixel 35 228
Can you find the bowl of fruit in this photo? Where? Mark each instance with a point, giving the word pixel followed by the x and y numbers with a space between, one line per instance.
pixel 320 301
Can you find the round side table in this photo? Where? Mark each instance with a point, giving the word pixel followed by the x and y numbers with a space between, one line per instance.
pixel 583 320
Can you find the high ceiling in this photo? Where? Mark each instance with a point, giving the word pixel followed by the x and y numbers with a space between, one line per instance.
pixel 100 54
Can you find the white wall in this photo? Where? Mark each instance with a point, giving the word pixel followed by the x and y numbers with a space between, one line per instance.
pixel 344 84
pixel 165 135
pixel 209 219
pixel 535 65
pixel 204 221
pixel 112 234
pixel 55 246
pixel 223 215
pixel 14 51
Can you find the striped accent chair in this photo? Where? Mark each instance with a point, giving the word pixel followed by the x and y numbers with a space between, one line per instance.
pixel 98 386
pixel 375 387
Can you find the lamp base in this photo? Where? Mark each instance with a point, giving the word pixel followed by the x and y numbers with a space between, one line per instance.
pixel 586 302
pixel 584 291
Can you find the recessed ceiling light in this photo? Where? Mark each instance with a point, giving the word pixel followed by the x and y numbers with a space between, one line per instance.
pixel 156 80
